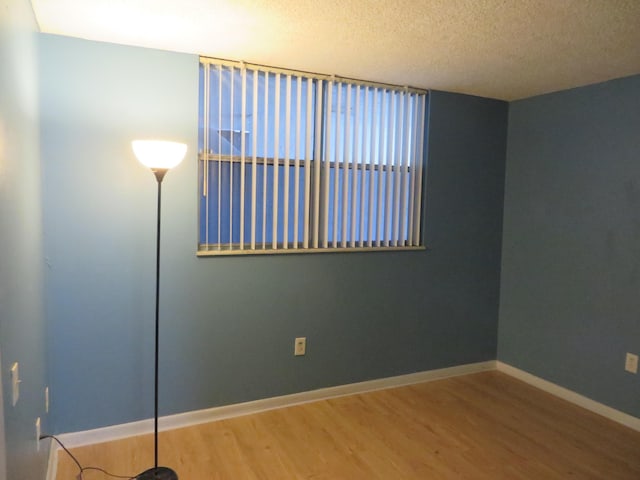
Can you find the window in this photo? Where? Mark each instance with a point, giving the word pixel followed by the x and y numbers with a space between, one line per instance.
pixel 291 162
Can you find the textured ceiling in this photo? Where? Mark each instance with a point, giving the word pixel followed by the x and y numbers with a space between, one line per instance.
pixel 505 49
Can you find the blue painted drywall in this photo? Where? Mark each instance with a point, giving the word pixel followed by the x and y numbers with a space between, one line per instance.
pixel 22 327
pixel 570 302
pixel 228 323
pixel 99 218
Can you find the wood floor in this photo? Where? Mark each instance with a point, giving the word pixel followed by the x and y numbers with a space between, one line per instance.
pixel 480 426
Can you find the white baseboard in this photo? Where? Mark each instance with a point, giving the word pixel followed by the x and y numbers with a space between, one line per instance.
pixel 52 464
pixel 571 396
pixel 116 432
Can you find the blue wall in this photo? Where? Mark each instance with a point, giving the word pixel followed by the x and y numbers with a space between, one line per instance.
pixel 570 302
pixel 228 323
pixel 22 327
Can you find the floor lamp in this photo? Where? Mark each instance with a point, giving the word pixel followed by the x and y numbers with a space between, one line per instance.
pixel 159 156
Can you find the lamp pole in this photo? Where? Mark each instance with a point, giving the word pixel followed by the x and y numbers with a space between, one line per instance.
pixel 159 174
pixel 147 152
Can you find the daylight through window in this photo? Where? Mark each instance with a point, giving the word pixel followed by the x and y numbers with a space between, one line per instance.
pixel 291 162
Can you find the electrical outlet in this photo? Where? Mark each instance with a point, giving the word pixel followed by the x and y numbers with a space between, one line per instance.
pixel 38 433
pixel 300 346
pixel 15 384
pixel 631 363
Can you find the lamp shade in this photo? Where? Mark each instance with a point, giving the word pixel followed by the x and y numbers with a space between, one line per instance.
pixel 159 154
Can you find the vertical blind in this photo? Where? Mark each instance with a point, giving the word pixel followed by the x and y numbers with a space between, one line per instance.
pixel 298 162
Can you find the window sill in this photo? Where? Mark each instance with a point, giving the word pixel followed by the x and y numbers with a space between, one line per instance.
pixel 289 251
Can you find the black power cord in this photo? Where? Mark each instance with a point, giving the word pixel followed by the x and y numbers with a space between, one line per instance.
pixel 80 467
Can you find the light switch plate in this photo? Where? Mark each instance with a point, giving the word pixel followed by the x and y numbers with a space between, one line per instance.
pixel 15 384
pixel 38 433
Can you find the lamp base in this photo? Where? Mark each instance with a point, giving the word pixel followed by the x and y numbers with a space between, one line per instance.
pixel 160 473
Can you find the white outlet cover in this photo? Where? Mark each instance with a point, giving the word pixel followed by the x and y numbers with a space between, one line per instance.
pixel 300 347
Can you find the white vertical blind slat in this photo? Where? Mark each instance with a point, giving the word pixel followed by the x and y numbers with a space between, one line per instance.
pixel 397 168
pixel 373 162
pixel 388 206
pixel 419 172
pixel 231 115
pixel 205 147
pixel 296 168
pixel 254 161
pixel 276 163
pixel 220 80
pixel 265 146
pixel 243 128
pixel 287 157
pixel 406 187
pixel 318 164
pixel 356 158
pixel 346 161
pixel 365 163
pixel 412 168
pixel 337 162
pixel 307 166
pixel 382 149
pixel 327 170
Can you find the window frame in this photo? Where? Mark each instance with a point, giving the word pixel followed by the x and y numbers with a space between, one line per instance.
pixel 319 169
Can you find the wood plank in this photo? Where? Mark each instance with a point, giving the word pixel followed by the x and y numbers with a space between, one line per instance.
pixel 483 426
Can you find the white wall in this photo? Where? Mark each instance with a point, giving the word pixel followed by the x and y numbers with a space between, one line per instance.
pixel 3 454
pixel 22 326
